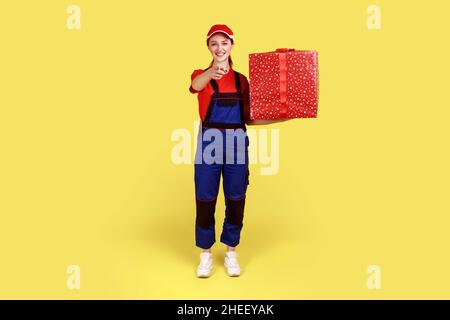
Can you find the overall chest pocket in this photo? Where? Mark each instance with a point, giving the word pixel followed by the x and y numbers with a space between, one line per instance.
pixel 227 99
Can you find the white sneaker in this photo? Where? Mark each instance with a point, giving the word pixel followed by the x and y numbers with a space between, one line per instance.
pixel 205 266
pixel 232 264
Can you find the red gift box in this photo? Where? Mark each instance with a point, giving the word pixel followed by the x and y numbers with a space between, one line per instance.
pixel 283 84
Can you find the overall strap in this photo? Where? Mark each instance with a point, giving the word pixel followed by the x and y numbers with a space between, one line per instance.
pixel 214 85
pixel 237 81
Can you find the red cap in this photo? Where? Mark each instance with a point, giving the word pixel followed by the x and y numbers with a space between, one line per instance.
pixel 220 28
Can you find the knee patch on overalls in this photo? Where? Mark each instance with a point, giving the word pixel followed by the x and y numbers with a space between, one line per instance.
pixel 205 212
pixel 235 211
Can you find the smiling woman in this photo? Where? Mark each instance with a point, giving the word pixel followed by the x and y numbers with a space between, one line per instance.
pixel 220 45
pixel 223 96
pixel 220 42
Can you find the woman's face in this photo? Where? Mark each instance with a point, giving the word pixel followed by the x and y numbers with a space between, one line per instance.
pixel 220 47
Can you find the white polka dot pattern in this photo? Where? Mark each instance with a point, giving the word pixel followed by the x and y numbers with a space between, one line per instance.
pixel 302 84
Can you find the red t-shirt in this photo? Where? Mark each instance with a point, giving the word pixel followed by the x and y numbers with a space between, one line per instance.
pixel 225 84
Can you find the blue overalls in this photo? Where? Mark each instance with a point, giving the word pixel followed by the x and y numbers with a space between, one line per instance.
pixel 222 149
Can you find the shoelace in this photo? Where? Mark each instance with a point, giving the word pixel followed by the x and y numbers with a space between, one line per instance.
pixel 232 261
pixel 204 262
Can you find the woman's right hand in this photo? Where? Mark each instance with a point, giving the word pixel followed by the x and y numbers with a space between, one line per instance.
pixel 216 73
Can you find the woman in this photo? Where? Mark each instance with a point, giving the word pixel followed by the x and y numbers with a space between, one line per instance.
pixel 223 96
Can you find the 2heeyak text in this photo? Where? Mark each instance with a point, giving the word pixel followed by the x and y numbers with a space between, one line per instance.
pixel 227 309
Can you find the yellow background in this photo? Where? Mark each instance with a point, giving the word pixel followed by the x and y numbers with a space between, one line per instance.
pixel 86 176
